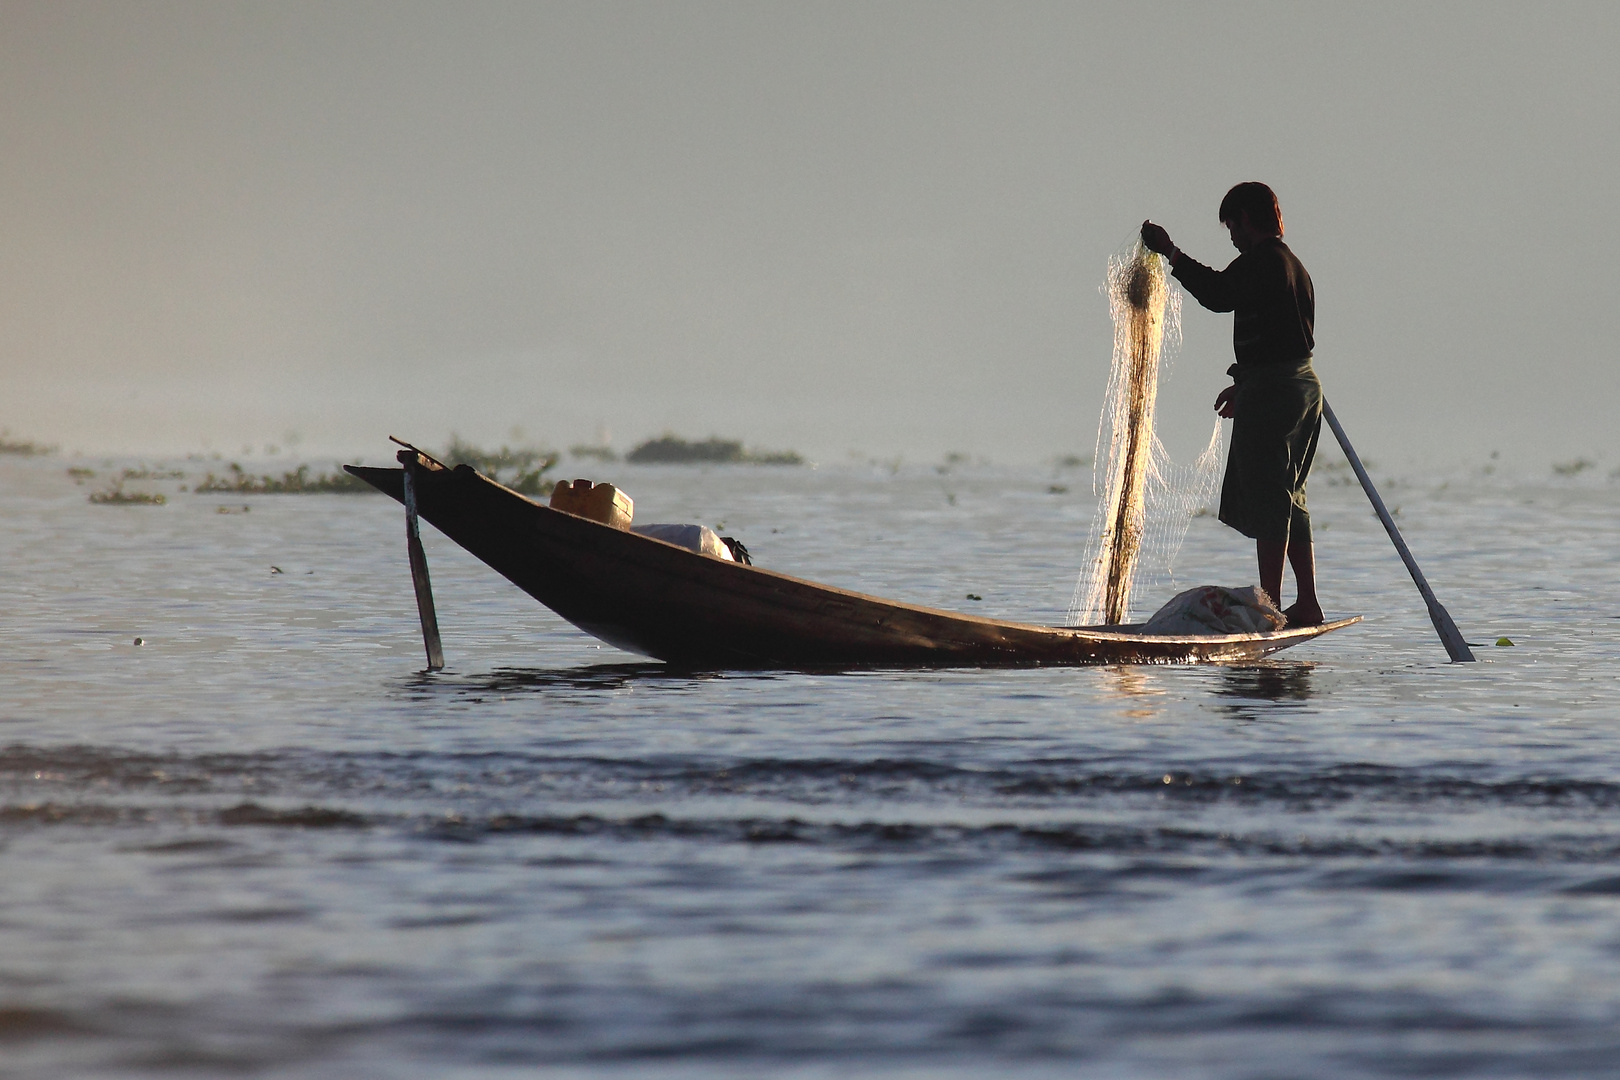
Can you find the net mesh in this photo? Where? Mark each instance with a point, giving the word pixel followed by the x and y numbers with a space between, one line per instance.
pixel 1145 501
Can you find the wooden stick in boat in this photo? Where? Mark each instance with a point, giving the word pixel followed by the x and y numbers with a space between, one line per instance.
pixel 423 454
pixel 419 567
pixel 1450 636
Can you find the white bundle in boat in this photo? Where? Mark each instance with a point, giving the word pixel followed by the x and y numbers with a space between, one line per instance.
pixel 698 538
pixel 1215 609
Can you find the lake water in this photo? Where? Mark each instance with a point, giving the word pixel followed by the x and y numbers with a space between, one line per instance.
pixel 264 843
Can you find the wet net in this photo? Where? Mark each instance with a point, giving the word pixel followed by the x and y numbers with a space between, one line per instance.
pixel 1145 501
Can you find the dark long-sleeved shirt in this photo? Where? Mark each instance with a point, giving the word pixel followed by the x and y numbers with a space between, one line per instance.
pixel 1270 293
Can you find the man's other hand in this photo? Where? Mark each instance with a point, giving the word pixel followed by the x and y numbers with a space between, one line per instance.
pixel 1225 402
pixel 1154 238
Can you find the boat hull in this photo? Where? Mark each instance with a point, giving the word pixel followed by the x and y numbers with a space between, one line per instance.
pixel 693 610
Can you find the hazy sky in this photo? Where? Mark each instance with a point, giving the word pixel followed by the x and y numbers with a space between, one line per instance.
pixel 873 226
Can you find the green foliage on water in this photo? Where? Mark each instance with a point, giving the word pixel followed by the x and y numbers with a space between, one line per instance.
pixel 670 449
pixel 1332 471
pixel 299 481
pixel 117 496
pixel 522 469
pixel 1573 468
pixel 20 447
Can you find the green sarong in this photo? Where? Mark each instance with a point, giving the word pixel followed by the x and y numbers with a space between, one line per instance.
pixel 1277 418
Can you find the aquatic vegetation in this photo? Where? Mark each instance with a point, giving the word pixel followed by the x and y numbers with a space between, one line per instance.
pixel 22 448
pixel 1573 468
pixel 522 469
pixel 670 449
pixel 1335 472
pixel 594 453
pixel 117 496
pixel 490 462
pixel 1073 461
pixel 297 482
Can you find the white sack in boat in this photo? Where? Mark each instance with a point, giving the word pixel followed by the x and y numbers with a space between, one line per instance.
pixel 698 538
pixel 1214 609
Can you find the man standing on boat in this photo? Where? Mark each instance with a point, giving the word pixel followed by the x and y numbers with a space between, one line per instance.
pixel 1275 400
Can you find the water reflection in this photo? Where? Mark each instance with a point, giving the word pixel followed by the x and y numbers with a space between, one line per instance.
pixel 423 685
pixel 1139 685
pixel 1269 680
pixel 585 677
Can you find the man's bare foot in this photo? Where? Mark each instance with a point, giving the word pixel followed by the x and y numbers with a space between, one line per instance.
pixel 1298 614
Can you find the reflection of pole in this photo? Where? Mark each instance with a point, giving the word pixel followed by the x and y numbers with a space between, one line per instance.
pixel 1450 636
pixel 419 568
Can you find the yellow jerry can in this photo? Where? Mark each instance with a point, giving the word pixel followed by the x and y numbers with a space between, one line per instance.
pixel 599 502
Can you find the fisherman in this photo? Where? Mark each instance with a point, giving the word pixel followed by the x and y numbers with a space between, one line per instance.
pixel 1275 400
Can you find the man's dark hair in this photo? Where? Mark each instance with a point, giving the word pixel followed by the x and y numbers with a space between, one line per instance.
pixel 1258 201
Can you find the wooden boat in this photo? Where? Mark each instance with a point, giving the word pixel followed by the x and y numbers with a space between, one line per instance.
pixel 697 611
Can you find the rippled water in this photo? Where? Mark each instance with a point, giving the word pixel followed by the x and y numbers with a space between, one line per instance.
pixel 263 843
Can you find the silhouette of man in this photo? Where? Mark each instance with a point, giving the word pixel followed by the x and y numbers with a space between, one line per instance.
pixel 1275 400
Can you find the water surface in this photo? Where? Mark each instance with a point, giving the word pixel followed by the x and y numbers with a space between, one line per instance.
pixel 264 843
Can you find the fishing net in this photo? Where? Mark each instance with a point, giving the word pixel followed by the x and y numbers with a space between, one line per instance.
pixel 1145 501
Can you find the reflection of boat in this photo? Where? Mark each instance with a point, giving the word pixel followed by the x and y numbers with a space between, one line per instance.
pixel 664 601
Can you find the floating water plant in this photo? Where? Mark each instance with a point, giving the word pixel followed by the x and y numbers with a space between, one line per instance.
pixel 117 496
pixel 1333 472
pixel 297 482
pixel 9 445
pixel 1573 468
pixel 670 449
pixel 523 469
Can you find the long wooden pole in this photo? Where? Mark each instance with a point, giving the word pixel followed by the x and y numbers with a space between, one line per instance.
pixel 419 568
pixel 1450 636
